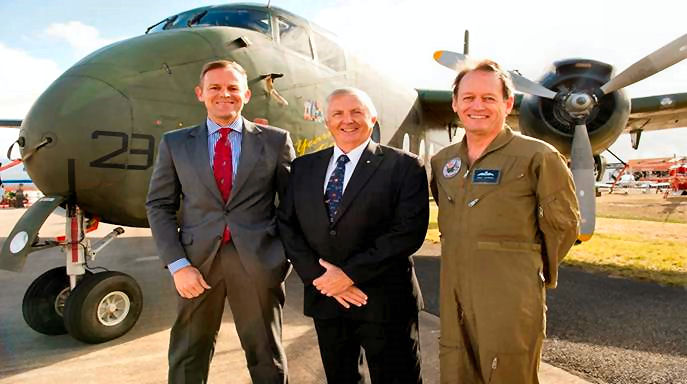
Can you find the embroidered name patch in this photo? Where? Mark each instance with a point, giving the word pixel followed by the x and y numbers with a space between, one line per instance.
pixel 486 176
pixel 452 167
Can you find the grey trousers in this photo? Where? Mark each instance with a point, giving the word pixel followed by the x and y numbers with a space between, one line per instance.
pixel 257 312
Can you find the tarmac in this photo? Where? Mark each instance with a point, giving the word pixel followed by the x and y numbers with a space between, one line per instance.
pixel 140 356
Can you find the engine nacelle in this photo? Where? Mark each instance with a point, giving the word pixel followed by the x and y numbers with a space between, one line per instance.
pixel 548 120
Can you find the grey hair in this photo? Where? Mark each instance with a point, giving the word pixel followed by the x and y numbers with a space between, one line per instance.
pixel 363 97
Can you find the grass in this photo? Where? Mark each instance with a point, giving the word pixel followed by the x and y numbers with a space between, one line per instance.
pixel 618 249
pixel 627 255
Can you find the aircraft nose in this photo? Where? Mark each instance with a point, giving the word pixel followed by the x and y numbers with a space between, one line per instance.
pixel 60 132
pixel 92 134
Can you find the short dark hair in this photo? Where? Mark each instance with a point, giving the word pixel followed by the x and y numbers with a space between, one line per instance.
pixel 486 66
pixel 222 64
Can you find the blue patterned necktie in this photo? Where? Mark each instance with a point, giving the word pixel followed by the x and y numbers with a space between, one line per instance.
pixel 334 191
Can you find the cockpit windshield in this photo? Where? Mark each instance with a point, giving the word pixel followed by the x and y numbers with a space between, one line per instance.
pixel 253 19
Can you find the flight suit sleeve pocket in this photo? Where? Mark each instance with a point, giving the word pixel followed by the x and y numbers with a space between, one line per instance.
pixel 558 212
pixel 186 238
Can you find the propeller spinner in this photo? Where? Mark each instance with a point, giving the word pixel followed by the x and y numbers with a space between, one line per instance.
pixel 579 105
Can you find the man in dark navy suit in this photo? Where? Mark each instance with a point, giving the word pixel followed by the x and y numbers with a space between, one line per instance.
pixel 352 217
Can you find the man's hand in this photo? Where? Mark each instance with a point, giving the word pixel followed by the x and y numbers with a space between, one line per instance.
pixel 352 295
pixel 333 282
pixel 189 282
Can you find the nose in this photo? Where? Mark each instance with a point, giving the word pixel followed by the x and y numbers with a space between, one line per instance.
pixel 477 103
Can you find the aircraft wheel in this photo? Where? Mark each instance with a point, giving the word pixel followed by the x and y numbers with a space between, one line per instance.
pixel 44 301
pixel 102 307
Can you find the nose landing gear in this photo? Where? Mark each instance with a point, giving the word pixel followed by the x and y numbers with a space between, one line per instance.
pixel 91 307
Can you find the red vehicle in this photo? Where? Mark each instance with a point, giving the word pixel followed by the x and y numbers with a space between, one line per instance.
pixel 678 177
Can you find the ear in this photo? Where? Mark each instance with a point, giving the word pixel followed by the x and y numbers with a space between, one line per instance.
pixel 247 96
pixel 373 119
pixel 509 104
pixel 199 93
pixel 454 104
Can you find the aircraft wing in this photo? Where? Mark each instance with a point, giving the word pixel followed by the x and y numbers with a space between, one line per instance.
pixel 10 123
pixel 653 113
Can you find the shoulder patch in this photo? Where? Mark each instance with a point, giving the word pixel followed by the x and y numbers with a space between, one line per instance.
pixel 452 167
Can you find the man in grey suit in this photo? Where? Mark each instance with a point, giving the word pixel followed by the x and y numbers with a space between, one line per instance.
pixel 221 178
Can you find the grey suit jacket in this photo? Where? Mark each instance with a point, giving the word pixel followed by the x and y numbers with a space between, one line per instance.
pixel 183 184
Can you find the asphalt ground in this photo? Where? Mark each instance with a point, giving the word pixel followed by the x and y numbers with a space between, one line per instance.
pixel 608 330
pixel 140 355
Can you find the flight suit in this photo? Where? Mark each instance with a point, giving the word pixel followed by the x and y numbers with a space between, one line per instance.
pixel 506 222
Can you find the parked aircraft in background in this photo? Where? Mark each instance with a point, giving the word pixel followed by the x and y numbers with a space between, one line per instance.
pixel 12 172
pixel 89 141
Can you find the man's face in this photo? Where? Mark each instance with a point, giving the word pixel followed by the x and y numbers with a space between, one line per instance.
pixel 480 104
pixel 224 92
pixel 349 121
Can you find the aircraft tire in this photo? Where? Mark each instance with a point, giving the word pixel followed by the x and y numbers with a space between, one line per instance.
pixel 103 307
pixel 44 302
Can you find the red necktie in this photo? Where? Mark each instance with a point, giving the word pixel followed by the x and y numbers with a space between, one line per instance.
pixel 223 171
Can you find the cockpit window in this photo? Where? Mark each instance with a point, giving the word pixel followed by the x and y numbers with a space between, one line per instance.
pixel 252 19
pixel 294 37
pixel 329 53
pixel 177 21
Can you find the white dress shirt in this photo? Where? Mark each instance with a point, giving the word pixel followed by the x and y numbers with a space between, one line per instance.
pixel 353 157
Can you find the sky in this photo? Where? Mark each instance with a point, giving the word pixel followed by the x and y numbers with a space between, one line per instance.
pixel 39 40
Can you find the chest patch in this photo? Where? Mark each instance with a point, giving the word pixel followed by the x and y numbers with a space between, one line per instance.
pixel 486 176
pixel 452 167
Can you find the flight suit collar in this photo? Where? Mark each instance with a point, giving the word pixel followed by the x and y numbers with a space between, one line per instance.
pixel 503 138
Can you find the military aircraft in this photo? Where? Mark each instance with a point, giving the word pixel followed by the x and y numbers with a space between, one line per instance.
pixel 89 141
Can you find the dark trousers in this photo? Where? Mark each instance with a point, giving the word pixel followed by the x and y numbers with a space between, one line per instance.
pixel 257 313
pixel 392 350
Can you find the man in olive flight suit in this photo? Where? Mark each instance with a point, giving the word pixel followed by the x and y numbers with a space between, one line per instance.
pixel 507 215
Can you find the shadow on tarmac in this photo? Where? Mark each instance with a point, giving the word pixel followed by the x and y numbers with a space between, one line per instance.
pixel 596 309
pixel 22 350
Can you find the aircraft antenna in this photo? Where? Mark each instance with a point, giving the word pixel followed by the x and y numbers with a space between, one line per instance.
pixel 268 3
pixel 466 43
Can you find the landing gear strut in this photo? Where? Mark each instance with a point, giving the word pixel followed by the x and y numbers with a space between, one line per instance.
pixel 92 308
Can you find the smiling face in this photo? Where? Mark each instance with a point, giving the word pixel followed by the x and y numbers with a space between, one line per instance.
pixel 349 121
pixel 480 103
pixel 224 91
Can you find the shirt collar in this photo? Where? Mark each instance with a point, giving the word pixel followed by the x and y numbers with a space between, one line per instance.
pixel 213 127
pixel 354 154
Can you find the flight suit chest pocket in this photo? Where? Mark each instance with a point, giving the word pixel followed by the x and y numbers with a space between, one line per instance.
pixel 452 188
pixel 511 185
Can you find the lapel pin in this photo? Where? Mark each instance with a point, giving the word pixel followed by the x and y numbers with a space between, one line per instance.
pixel 367 162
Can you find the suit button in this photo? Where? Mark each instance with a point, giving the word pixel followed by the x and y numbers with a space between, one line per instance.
pixel 332 232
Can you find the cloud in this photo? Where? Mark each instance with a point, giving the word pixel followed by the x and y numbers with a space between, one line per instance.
pixel 83 38
pixel 23 79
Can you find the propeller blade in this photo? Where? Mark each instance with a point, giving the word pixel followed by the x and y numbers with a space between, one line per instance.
pixel 582 167
pixel 659 60
pixel 454 61
pixel 450 60
pixel 526 85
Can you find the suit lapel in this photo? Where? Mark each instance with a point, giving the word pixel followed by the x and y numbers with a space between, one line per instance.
pixel 200 159
pixel 369 161
pixel 251 151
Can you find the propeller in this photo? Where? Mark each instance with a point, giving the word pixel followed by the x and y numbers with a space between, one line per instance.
pixel 579 104
pixel 657 61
